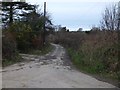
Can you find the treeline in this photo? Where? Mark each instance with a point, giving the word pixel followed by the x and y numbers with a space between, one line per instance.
pixel 22 29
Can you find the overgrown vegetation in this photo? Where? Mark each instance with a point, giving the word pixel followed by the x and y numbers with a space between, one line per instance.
pixel 9 50
pixel 95 52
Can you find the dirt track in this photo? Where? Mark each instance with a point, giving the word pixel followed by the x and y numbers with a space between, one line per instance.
pixel 50 71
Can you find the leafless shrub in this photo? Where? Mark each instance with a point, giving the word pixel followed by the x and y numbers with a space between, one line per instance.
pixel 110 20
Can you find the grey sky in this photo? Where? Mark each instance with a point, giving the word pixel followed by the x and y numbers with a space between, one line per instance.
pixel 75 13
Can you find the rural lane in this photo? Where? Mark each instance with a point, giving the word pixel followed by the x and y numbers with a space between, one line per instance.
pixel 54 70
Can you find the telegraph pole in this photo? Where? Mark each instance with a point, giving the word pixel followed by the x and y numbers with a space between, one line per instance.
pixel 118 15
pixel 44 23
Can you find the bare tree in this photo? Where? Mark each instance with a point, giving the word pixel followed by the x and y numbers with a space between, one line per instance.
pixel 110 18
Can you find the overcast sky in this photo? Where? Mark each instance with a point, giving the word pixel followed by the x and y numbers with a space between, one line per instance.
pixel 75 14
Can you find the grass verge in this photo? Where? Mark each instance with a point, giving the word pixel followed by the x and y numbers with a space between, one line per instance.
pixel 94 68
pixel 17 58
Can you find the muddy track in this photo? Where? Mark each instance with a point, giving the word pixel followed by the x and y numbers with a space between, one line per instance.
pixel 54 70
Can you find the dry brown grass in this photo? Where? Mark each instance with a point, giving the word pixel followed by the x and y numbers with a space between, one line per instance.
pixel 98 50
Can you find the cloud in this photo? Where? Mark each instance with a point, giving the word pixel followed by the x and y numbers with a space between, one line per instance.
pixel 66 1
pixel 75 13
